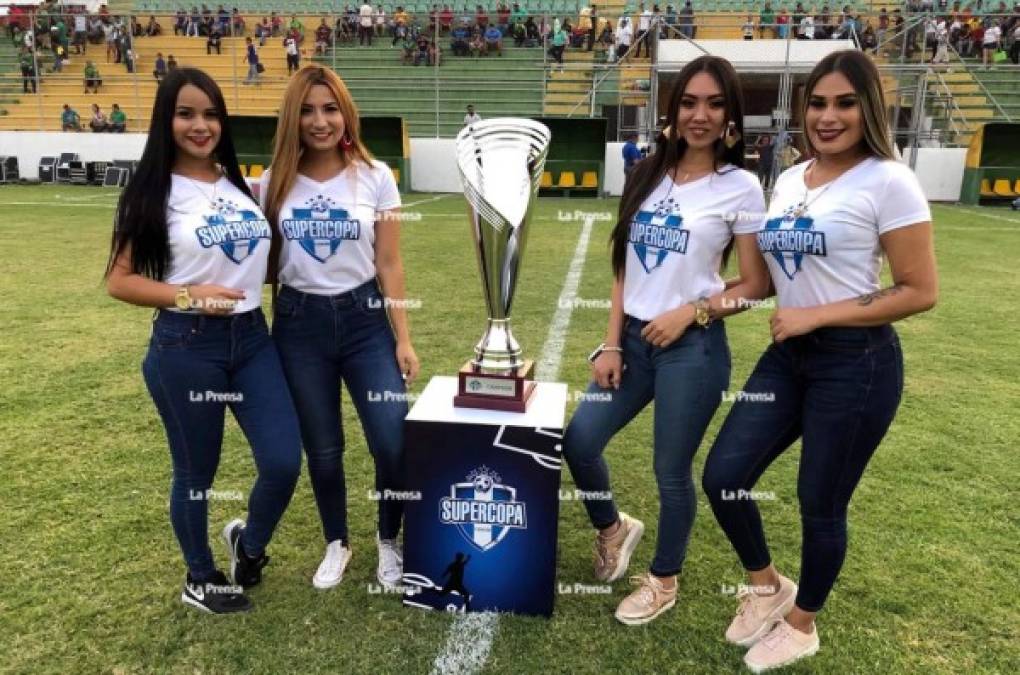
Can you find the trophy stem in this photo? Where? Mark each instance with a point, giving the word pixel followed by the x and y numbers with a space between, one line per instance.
pixel 497 352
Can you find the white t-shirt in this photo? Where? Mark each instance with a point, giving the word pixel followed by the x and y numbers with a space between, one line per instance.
pixel 471 118
pixel 645 20
pixel 678 235
pixel 366 15
pixel 624 35
pixel 290 46
pixel 992 36
pixel 832 251
pixel 226 245
pixel 328 240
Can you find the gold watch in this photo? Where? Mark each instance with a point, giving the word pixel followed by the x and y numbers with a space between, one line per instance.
pixel 182 300
pixel 701 314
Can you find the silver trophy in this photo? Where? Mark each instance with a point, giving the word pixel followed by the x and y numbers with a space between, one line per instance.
pixel 500 162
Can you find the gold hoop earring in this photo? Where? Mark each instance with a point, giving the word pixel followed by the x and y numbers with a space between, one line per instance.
pixel 732 136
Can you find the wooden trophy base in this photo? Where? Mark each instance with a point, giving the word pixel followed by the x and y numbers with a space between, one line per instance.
pixel 510 392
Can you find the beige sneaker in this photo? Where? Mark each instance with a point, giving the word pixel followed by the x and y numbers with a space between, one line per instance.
pixel 649 600
pixel 612 553
pixel 782 646
pixel 758 613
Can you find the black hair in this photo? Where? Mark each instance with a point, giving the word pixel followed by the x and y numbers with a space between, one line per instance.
pixel 647 173
pixel 140 220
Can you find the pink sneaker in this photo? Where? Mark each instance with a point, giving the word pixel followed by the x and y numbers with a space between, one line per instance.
pixel 758 613
pixel 782 646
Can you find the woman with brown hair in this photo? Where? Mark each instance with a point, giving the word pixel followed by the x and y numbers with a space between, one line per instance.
pixel 339 316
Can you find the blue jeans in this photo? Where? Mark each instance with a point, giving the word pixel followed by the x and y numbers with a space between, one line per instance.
pixel 195 368
pixel 838 388
pixel 686 381
pixel 323 341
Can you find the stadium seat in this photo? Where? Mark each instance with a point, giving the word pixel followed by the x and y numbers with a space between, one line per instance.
pixel 567 180
pixel 244 170
pixel 590 179
pixel 986 188
pixel 546 180
pixel 396 175
pixel 1001 188
pixel 1016 188
pixel 255 171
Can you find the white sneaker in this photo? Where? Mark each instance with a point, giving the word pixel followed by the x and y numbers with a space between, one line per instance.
pixel 391 562
pixel 331 569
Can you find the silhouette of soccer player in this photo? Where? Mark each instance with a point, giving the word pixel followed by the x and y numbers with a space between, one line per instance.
pixel 454 572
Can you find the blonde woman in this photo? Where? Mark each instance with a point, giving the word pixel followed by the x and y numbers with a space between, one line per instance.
pixel 335 214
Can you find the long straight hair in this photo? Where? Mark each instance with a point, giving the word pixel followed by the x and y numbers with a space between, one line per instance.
pixel 859 69
pixel 648 173
pixel 287 146
pixel 140 222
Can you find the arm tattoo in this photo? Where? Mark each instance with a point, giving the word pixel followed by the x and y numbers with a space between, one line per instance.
pixel 869 298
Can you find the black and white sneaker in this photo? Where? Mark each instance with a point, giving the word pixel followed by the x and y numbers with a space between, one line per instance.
pixel 245 571
pixel 215 595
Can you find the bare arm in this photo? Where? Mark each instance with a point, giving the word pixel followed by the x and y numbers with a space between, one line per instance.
pixel 390 270
pixel 753 283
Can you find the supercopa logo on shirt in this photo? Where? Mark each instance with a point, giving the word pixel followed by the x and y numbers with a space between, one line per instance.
pixel 236 231
pixel 656 234
pixel 483 509
pixel 789 238
pixel 320 227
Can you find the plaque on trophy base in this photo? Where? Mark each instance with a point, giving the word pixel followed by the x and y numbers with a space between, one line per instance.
pixel 508 391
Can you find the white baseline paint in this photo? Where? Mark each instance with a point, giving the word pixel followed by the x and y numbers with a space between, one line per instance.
pixel 470 636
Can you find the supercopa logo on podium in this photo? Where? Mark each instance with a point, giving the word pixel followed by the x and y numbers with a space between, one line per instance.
pixel 483 449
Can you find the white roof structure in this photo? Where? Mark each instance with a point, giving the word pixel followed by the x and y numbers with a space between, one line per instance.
pixel 750 55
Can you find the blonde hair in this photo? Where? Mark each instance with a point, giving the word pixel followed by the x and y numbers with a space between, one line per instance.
pixel 860 70
pixel 287 146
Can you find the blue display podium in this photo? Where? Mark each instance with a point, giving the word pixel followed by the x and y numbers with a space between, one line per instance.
pixel 480 534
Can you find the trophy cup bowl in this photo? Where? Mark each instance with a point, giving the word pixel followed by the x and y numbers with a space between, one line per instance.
pixel 500 163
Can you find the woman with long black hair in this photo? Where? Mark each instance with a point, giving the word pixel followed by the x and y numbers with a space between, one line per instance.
pixel 833 375
pixel 190 240
pixel 681 211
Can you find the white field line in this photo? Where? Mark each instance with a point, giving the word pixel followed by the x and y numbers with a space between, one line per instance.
pixel 469 639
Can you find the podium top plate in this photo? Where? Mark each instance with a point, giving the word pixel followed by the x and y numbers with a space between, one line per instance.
pixel 547 409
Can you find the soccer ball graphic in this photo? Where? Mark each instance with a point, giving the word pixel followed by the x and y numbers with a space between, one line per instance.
pixel 483 482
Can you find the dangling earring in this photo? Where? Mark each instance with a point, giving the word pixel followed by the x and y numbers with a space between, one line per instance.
pixel 346 142
pixel 732 136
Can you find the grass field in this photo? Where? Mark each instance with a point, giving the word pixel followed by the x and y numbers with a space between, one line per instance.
pixel 92 574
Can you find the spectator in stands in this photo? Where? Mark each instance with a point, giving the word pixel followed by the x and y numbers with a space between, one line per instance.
pixel 81 27
pixel 624 37
pixel 136 28
pixel 789 154
pixel 408 47
pixel 669 21
pixel 806 30
pixel 26 60
pixel 631 152
pixel 290 48
pixel 767 21
pixel 159 67
pixel 422 50
pixel 941 43
pixel 275 24
pixel 797 17
pixel 503 18
pixel 59 58
pixel 493 40
pixel 181 22
pixel 764 146
pixel 990 43
pixel 342 31
pixel 153 29
pixel 748 27
pixel 782 24
pixel 585 27
pixel 69 119
pixel 883 28
pixel 518 32
pixel 251 55
pixel 459 40
pixel 605 40
pixel 869 41
pixel 213 40
pixel 380 21
pixel 471 117
pixel 558 44
pixel 532 35
pixel 323 37
pixel 92 78
pixel 98 120
pixel 400 21
pixel 118 120
pixel 194 24
pixel 171 63
pixel 644 22
pixel 481 19
pixel 129 59
pixel 297 29
pixel 445 19
pixel 238 22
pixel 365 29
pixel 687 20
pixel 476 43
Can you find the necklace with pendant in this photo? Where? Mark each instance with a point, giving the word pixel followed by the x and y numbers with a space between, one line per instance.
pixel 212 199
pixel 805 203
